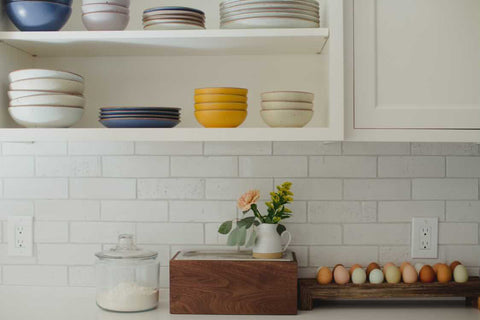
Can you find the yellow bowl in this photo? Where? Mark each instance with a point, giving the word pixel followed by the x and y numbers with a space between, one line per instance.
pixel 237 91
pixel 208 98
pixel 221 106
pixel 221 118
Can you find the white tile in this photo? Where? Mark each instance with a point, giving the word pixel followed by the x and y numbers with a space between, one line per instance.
pixel 15 208
pixel 301 253
pixel 164 277
pixel 307 272
pixel 35 275
pixel 16 167
pixel 458 233
pixel 376 148
pixel 376 189
pixel 299 211
pixel 342 211
pixel 68 166
pixel 39 188
pixel 34 148
pixel 134 210
pixel 467 255
pixel 204 166
pixel 170 233
pixel 329 256
pixel 359 234
pixel 404 211
pixel 213 237
pixel 238 148
pixel 411 167
pixel 67 210
pixel 312 234
pixel 399 254
pixel 427 148
pixel 202 211
pixel 445 189
pixel 67 254
pixel 168 148
pixel 102 188
pixel 267 166
pixel 232 189
pixel 171 188
pixel 463 167
pixel 353 167
pixel 315 189
pixel 163 252
pixel 81 276
pixel 99 232
pixel 100 148
pixel 50 232
pixel 466 211
pixel 14 260
pixel 307 148
pixel 135 166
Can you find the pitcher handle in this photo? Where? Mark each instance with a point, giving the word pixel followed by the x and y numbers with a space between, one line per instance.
pixel 289 240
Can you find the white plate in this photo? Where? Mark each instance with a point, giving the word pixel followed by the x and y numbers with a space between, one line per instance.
pixel 44 84
pixel 158 21
pixel 173 26
pixel 270 14
pixel 278 6
pixel 175 17
pixel 286 105
pixel 89 8
pixel 23 93
pixel 261 3
pixel 46 117
pixel 286 118
pixel 25 74
pixel 266 23
pixel 227 3
pixel 50 100
pixel 175 12
pixel 293 96
pixel 284 10
pixel 125 3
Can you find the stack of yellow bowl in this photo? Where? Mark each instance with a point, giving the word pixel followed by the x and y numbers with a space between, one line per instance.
pixel 221 107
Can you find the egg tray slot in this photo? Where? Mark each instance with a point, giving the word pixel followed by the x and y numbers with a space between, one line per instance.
pixel 310 291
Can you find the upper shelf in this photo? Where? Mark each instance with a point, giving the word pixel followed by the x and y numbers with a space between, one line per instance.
pixel 178 42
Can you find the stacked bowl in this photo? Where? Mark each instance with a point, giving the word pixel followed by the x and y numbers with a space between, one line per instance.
pixel 173 18
pixel 42 98
pixel 287 109
pixel 139 117
pixel 246 14
pixel 105 15
pixel 41 15
pixel 221 107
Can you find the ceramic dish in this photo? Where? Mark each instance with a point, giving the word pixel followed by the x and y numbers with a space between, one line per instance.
pixel 65 2
pixel 314 14
pixel 271 3
pixel 101 7
pixel 46 117
pixel 174 17
pixel 277 6
pixel 170 8
pixel 175 12
pixel 221 118
pixel 269 15
pixel 105 21
pixel 46 84
pixel 286 105
pixel 139 109
pixel 120 113
pixel 221 106
pixel 171 21
pixel 24 93
pixel 124 3
pixel 139 123
pixel 49 100
pixel 233 2
pixel 38 15
pixel 142 116
pixel 43 73
pixel 209 98
pixel 286 118
pixel 269 22
pixel 173 26
pixel 220 90
pixel 296 96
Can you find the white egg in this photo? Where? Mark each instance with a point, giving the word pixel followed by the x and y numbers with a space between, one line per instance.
pixel 359 276
pixel 376 276
pixel 418 267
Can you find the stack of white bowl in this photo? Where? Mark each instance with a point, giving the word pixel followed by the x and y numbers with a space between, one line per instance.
pixel 105 15
pixel 287 109
pixel 42 98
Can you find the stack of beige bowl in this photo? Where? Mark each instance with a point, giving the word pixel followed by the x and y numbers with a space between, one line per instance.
pixel 46 98
pixel 105 15
pixel 287 109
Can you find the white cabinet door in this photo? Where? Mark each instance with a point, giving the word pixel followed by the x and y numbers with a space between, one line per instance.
pixel 417 64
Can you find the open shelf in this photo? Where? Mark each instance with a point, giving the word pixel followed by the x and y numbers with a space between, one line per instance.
pixel 178 42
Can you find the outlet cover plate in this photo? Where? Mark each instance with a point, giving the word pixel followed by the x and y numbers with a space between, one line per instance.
pixel 20 236
pixel 425 238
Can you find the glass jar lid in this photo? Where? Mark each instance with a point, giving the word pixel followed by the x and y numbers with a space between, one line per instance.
pixel 126 249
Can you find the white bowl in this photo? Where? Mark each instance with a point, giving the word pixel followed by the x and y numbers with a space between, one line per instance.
pixel 296 96
pixel 286 105
pixel 105 21
pixel 43 73
pixel 90 8
pixel 23 93
pixel 45 84
pixel 287 118
pixel 50 100
pixel 123 3
pixel 46 117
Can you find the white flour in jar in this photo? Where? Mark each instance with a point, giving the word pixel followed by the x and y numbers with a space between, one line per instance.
pixel 128 297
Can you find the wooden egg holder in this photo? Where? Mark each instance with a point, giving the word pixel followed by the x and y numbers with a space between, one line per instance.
pixel 311 291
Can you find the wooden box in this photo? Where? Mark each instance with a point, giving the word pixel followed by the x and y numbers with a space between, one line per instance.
pixel 232 283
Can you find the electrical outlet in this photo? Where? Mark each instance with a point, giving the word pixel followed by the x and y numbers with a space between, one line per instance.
pixel 20 236
pixel 424 238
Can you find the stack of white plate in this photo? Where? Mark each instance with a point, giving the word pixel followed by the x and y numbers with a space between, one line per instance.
pixel 105 15
pixel 287 108
pixel 46 98
pixel 173 18
pixel 251 14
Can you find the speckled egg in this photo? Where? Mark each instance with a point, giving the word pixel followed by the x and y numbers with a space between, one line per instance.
pixel 409 274
pixel 341 275
pixel 355 266
pixel 392 274
pixel 376 276
pixel 460 274
pixel 324 275
pixel 359 276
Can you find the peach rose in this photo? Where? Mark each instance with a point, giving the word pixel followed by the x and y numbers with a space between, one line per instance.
pixel 245 201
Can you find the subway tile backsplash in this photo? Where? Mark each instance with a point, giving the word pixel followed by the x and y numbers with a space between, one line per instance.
pixel 354 201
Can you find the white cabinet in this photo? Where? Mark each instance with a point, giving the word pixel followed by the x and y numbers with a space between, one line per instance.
pixel 415 65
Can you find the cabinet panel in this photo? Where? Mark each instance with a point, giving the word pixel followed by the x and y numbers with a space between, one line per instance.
pixel 417 64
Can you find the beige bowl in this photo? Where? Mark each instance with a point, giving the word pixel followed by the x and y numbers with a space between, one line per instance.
pixel 286 105
pixel 297 96
pixel 287 118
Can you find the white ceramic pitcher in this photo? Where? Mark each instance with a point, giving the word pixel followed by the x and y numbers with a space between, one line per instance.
pixel 269 243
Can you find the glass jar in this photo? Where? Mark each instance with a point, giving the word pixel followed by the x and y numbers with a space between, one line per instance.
pixel 127 277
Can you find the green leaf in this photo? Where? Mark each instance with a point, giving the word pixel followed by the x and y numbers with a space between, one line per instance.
pixel 242 235
pixel 246 222
pixel 256 223
pixel 233 237
pixel 281 229
pixel 225 227
pixel 251 240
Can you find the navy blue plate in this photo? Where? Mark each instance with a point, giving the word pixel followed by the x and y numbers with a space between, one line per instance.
pixel 154 109
pixel 139 123
pixel 174 8
pixel 140 117
pixel 153 113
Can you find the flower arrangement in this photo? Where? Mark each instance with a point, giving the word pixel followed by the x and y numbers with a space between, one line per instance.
pixel 276 212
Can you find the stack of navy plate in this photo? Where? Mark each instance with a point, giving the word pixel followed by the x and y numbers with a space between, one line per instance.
pixel 139 117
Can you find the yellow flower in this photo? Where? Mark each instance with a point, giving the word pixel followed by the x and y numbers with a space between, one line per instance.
pixel 245 202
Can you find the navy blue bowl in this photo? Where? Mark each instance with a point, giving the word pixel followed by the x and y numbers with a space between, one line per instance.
pixel 38 15
pixel 65 2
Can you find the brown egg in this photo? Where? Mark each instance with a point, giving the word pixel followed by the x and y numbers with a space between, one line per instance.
pixel 324 275
pixel 337 265
pixel 388 264
pixel 444 273
pixel 355 266
pixel 372 266
pixel 454 264
pixel 403 265
pixel 409 274
pixel 341 275
pixel 435 267
pixel 427 274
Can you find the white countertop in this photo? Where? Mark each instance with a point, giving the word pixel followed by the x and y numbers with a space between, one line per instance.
pixel 25 303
